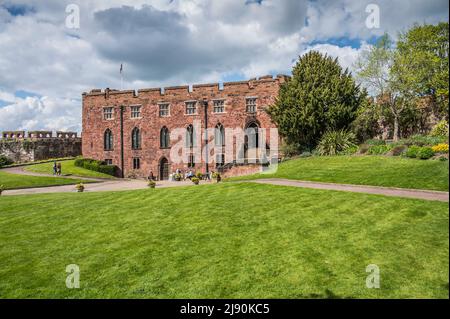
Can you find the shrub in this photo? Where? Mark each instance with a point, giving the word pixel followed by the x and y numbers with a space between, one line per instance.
pixel 397 150
pixel 80 188
pixel 290 149
pixel 350 151
pixel 2 188
pixel 379 149
pixel 425 153
pixel 440 129
pixel 94 165
pixel 151 184
pixel 440 148
pixel 425 140
pixel 412 151
pixel 195 180
pixel 132 174
pixel 5 161
pixel 305 154
pixel 199 175
pixel 375 141
pixel 363 148
pixel 335 142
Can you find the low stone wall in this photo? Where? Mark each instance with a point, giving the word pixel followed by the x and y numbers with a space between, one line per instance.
pixel 36 149
pixel 242 170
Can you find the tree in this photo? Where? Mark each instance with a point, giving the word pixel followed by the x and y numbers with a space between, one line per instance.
pixel 421 65
pixel 321 96
pixel 366 125
pixel 374 72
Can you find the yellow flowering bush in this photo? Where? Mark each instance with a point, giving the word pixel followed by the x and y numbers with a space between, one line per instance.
pixel 440 148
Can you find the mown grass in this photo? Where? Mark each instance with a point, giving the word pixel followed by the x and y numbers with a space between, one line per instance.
pixel 67 168
pixel 232 240
pixel 385 171
pixel 16 181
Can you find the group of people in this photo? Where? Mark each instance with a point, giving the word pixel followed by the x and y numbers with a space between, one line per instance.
pixel 56 168
pixel 188 175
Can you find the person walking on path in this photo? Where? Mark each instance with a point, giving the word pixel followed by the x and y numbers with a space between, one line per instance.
pixel 58 169
pixel 55 168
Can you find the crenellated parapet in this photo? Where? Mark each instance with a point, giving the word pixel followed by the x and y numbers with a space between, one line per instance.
pixel 33 135
pixel 40 134
pixel 60 134
pixel 13 134
pixel 195 88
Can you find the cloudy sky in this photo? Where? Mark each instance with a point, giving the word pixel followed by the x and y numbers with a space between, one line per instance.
pixel 45 64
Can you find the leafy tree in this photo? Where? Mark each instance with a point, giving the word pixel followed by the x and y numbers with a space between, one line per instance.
pixel 320 97
pixel 421 65
pixel 366 125
pixel 374 72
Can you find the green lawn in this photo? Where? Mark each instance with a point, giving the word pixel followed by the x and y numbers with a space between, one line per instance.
pixel 67 168
pixel 232 240
pixel 365 170
pixel 15 181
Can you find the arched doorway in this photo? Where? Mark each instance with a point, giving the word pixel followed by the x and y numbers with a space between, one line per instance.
pixel 163 169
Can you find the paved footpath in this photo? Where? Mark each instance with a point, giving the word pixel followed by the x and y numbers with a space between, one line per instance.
pixel 104 185
pixel 97 185
pixel 387 191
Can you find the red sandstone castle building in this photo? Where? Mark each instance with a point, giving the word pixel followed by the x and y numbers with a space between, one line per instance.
pixel 132 129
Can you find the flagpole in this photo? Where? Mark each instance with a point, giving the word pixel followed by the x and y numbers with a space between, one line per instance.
pixel 121 77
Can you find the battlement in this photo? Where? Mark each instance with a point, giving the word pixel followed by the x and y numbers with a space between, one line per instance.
pixel 21 135
pixel 280 78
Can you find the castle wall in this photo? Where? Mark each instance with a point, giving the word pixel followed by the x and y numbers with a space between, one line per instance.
pixel 35 148
pixel 234 94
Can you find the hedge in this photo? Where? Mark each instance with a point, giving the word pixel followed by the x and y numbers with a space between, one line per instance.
pixel 97 166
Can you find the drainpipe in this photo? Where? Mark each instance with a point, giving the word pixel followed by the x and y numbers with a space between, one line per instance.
pixel 121 142
pixel 205 103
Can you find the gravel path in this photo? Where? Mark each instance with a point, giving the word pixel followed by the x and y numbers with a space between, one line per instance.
pixel 387 191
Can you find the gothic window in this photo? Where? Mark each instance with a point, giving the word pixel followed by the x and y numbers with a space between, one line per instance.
pixel 108 140
pixel 219 135
pixel 135 139
pixel 190 137
pixel 164 139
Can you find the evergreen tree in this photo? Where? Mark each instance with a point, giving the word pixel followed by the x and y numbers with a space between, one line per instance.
pixel 319 97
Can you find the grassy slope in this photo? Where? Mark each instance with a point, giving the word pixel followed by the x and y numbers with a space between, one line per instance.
pixel 15 181
pixel 67 168
pixel 222 241
pixel 365 170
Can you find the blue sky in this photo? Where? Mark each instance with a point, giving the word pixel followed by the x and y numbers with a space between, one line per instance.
pixel 46 65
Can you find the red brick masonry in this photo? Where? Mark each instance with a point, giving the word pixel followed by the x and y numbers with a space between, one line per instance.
pixel 150 154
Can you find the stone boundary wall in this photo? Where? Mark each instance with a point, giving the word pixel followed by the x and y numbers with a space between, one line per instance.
pixel 39 145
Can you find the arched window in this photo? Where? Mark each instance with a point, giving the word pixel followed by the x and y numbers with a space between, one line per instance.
pixel 108 140
pixel 252 135
pixel 219 135
pixel 135 139
pixel 164 138
pixel 190 138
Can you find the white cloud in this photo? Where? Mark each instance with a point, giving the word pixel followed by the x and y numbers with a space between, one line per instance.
pixel 34 113
pixel 347 55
